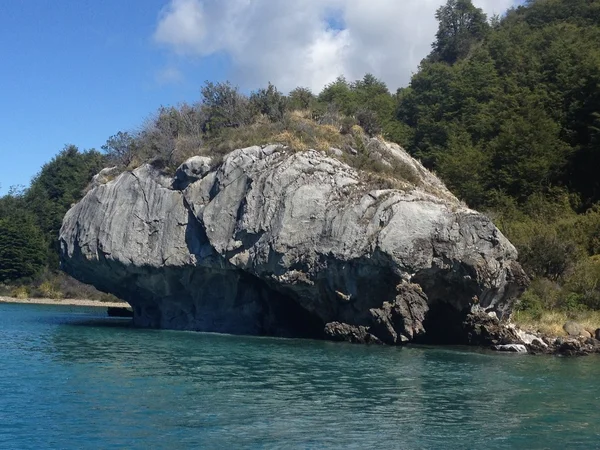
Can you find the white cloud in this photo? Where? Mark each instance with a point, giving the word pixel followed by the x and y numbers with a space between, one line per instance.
pixel 182 25
pixel 168 75
pixel 292 43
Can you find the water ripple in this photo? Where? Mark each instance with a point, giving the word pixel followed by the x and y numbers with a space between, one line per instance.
pixel 73 380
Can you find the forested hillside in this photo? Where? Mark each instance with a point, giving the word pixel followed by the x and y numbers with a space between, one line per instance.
pixel 506 110
pixel 508 113
pixel 31 218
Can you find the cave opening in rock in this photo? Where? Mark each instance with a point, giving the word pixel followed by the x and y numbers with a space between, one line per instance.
pixel 290 319
pixel 443 326
pixel 283 313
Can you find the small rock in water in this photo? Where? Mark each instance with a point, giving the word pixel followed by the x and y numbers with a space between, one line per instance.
pixel 513 348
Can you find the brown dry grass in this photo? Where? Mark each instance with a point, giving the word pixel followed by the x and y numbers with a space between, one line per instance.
pixel 551 322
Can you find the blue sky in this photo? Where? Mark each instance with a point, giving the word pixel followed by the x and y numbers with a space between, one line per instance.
pixel 78 71
pixel 73 73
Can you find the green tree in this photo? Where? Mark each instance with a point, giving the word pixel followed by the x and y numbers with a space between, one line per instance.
pixel 269 102
pixel 56 187
pixel 121 149
pixel 23 250
pixel 340 95
pixel 461 26
pixel 225 106
pixel 301 98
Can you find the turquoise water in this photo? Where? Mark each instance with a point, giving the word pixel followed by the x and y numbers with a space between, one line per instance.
pixel 70 378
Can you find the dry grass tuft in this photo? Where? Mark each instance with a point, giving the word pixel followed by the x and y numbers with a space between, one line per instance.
pixel 48 289
pixel 20 292
pixel 290 140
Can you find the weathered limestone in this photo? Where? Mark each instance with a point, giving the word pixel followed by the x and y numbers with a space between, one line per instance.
pixel 290 244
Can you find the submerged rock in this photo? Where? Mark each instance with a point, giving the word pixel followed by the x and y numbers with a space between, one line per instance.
pixel 512 348
pixel 286 243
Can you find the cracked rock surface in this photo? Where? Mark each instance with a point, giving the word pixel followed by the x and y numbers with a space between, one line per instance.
pixel 274 242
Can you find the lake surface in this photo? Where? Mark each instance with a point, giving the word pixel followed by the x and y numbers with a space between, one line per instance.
pixel 71 379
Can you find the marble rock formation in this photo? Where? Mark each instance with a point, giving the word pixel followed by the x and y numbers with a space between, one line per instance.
pixel 276 242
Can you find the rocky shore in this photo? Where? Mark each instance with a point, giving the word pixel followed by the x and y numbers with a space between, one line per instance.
pixel 486 330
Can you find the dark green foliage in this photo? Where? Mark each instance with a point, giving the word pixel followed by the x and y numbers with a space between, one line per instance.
pixel 508 115
pixel 367 100
pixel 522 99
pixel 56 187
pixel 30 219
pixel 461 26
pixel 269 102
pixel 300 99
pixel 23 250
pixel 339 94
pixel 224 106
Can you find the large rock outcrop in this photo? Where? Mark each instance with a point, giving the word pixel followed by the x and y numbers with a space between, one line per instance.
pixel 286 243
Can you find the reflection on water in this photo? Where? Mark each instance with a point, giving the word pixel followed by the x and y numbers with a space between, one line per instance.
pixel 75 381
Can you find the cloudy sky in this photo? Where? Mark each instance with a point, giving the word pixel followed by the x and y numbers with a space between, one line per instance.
pixel 308 42
pixel 77 71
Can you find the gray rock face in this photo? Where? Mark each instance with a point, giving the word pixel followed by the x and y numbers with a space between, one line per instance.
pixel 290 244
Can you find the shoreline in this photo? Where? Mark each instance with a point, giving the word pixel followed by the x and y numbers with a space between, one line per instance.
pixel 64 302
pixel 529 341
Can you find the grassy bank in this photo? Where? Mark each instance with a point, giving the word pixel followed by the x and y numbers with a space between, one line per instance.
pixel 64 302
pixel 57 286
pixel 551 322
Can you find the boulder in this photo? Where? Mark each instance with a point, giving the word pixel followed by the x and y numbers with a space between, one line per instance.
pixel 336 152
pixel 535 344
pixel 192 170
pixel 104 176
pixel 575 329
pixel 597 334
pixel 284 243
